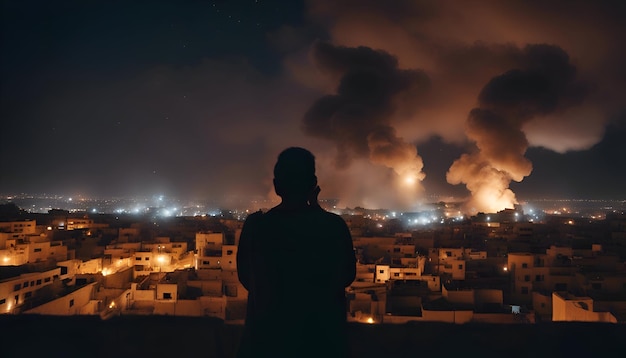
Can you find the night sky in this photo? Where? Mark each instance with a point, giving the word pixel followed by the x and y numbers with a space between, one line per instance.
pixel 509 100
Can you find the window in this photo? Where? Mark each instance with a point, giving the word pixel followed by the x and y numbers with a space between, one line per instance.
pixel 381 271
pixel 396 274
pixel 32 283
pixel 527 278
pixel 524 265
pixel 449 253
pixel 147 258
pixel 206 262
pixel 524 290
pixel 38 282
pixel 3 301
pixel 17 287
pixel 167 296
pixel 138 258
pixel 396 249
pixel 38 249
pixel 28 294
pixel 539 278
pixel 460 267
pixel 63 270
pixel 47 279
pixel 25 284
pixel 72 302
pixel 229 252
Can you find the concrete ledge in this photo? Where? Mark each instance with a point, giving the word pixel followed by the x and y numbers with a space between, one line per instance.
pixel 173 337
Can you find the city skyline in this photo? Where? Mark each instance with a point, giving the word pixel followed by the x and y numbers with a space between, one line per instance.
pixel 197 99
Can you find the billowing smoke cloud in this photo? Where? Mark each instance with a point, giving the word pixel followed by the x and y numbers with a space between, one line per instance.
pixel 372 93
pixel 547 84
pixel 529 95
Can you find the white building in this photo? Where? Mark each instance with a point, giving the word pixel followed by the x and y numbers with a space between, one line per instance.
pixel 15 291
pixel 567 307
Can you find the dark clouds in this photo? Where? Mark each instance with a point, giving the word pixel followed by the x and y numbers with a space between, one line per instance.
pixel 370 87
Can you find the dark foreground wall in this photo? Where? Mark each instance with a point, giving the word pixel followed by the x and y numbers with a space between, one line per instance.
pixel 177 337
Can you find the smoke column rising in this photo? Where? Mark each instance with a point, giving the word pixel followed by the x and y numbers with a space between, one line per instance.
pixel 371 93
pixel 546 84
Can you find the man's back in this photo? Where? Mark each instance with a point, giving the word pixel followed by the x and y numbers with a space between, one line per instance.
pixel 295 265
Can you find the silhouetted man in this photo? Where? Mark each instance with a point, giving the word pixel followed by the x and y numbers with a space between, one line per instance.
pixel 295 261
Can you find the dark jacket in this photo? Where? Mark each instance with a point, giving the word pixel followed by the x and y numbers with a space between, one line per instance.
pixel 295 266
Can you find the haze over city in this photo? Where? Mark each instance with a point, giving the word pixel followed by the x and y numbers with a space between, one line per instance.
pixel 488 102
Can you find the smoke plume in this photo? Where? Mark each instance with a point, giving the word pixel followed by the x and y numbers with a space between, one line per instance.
pixel 546 84
pixel 371 94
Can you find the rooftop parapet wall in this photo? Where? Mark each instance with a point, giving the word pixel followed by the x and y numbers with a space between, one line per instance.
pixel 117 337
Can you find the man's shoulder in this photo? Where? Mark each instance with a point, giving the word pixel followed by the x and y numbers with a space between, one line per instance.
pixel 331 215
pixel 254 218
pixel 332 218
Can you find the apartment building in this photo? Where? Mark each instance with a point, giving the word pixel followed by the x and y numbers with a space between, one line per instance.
pixel 15 291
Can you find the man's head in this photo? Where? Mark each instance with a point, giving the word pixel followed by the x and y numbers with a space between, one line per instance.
pixel 294 174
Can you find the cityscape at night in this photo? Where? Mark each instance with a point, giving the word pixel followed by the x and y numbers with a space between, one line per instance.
pixel 472 152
